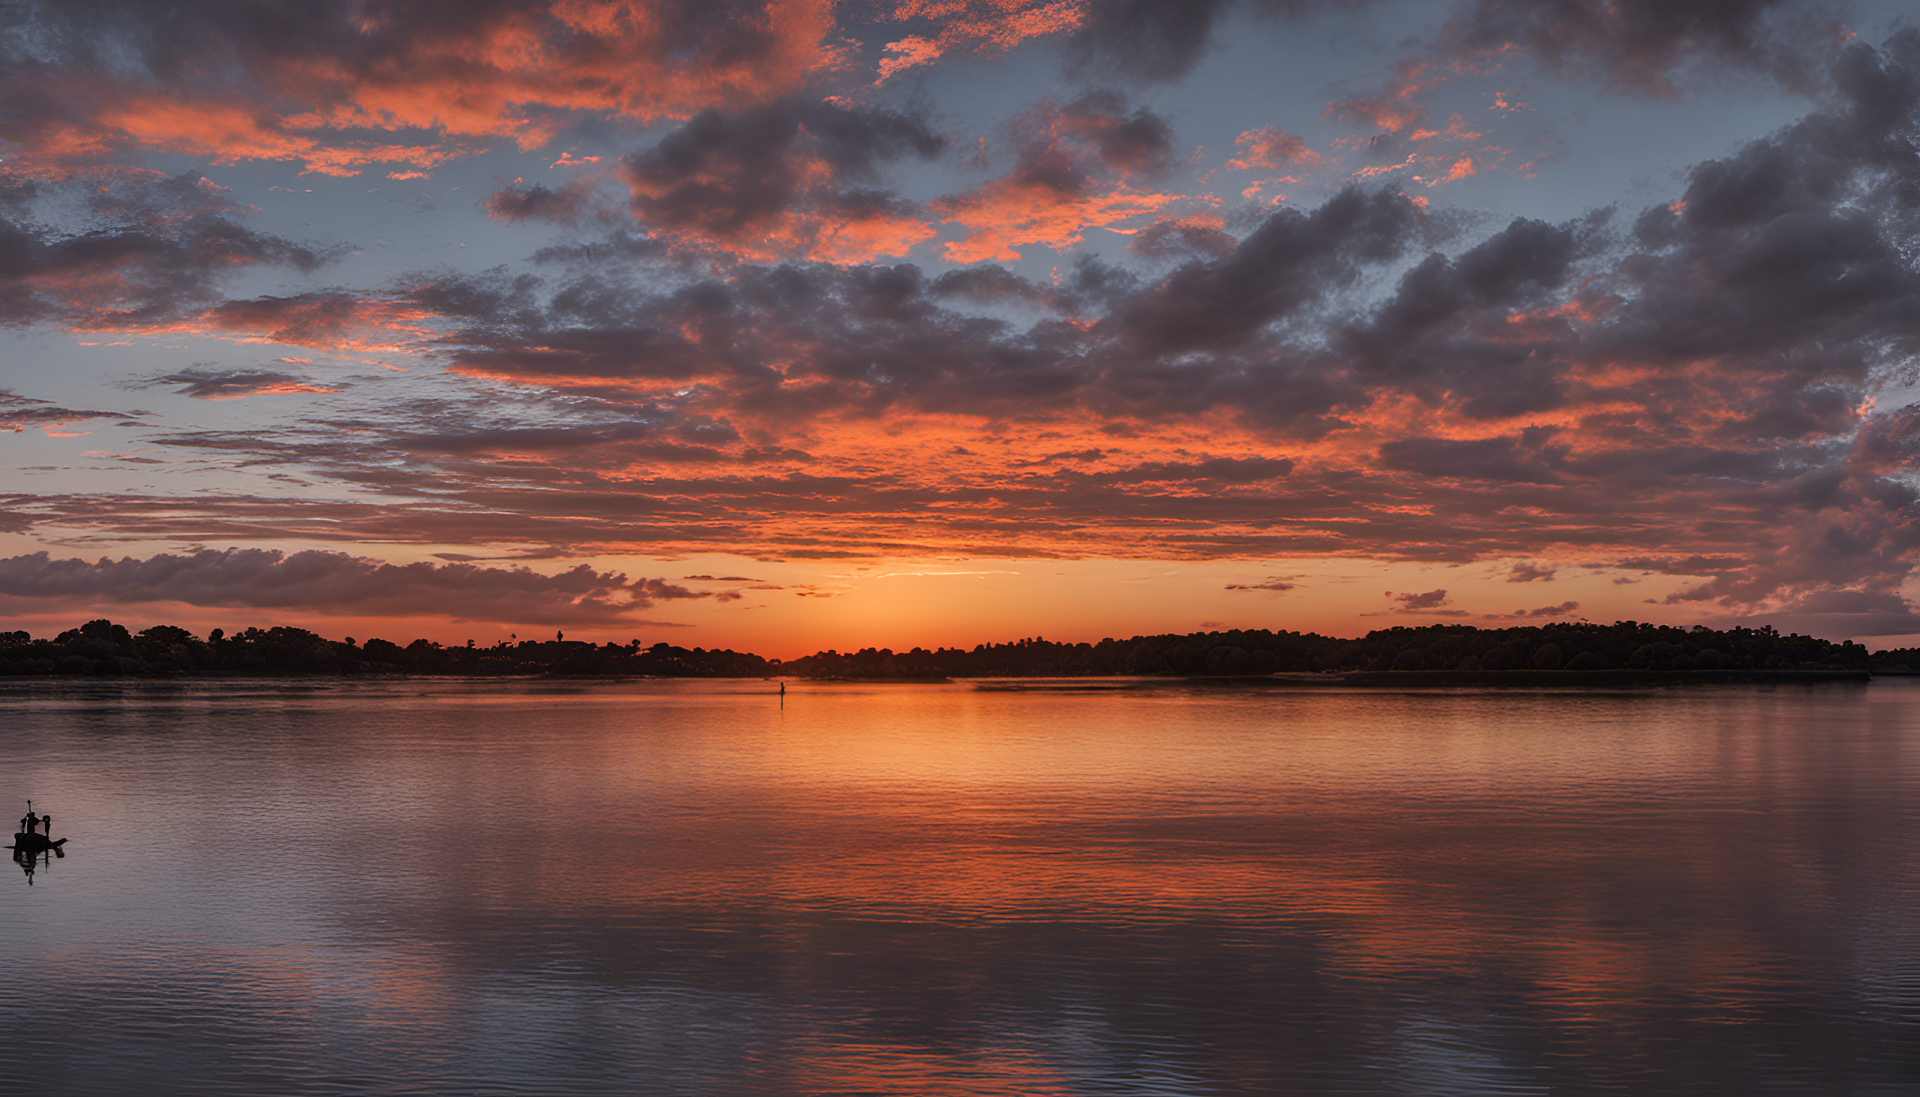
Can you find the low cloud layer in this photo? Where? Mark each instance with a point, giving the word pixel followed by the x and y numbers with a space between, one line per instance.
pixel 18 413
pixel 217 383
pixel 333 582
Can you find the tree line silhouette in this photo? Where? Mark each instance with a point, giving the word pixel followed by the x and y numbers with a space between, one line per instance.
pixel 102 648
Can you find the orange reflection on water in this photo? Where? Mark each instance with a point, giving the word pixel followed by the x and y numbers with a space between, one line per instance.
pixel 865 1067
pixel 948 890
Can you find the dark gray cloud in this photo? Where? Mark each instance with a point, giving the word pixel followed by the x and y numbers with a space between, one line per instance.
pixel 338 583
pixel 205 382
pixel 1146 41
pixel 733 178
pixel 1293 260
pixel 567 204
pixel 1560 612
pixel 1448 326
pixel 335 319
pixel 1502 460
pixel 870 339
pixel 1182 238
pixel 988 284
pixel 1643 46
pixel 149 249
pixel 1065 154
pixel 1132 143
pixel 1647 46
pixel 17 413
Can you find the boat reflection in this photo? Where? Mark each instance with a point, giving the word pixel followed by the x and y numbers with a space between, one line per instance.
pixel 28 859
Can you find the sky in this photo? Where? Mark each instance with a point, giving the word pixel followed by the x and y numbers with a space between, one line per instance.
pixel 794 325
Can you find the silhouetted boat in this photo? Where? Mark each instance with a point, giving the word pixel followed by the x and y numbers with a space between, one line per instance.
pixel 29 844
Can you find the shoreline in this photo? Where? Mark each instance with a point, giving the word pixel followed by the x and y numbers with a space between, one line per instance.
pixel 1442 679
pixel 1621 678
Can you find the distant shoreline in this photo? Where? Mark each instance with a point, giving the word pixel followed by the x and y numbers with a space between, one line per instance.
pixel 1387 679
pixel 1442 678
pixel 1566 653
pixel 1616 677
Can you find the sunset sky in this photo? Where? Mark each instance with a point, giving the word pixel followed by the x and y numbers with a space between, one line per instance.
pixel 791 325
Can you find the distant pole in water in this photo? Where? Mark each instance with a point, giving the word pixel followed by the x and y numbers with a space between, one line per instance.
pixel 783 695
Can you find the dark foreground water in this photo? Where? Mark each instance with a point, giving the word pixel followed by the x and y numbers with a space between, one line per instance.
pixel 682 888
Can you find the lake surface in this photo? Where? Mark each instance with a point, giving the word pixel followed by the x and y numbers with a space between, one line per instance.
pixel 1083 888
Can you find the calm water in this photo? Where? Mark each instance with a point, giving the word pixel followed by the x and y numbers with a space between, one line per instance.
pixel 682 888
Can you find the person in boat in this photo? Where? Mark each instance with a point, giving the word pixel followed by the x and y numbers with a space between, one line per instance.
pixel 31 823
pixel 46 825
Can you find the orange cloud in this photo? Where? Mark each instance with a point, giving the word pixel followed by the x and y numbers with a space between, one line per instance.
pixel 856 238
pixel 974 25
pixel 1011 213
pixel 285 93
pixel 225 132
pixel 1398 106
pixel 479 76
pixel 1268 147
pixel 913 50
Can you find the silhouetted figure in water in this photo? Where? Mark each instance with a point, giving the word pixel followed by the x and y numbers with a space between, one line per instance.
pixel 34 844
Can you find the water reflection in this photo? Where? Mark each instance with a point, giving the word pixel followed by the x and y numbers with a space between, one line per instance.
pixel 690 888
pixel 28 859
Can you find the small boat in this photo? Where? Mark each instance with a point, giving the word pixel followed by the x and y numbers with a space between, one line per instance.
pixel 29 842
pixel 25 844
